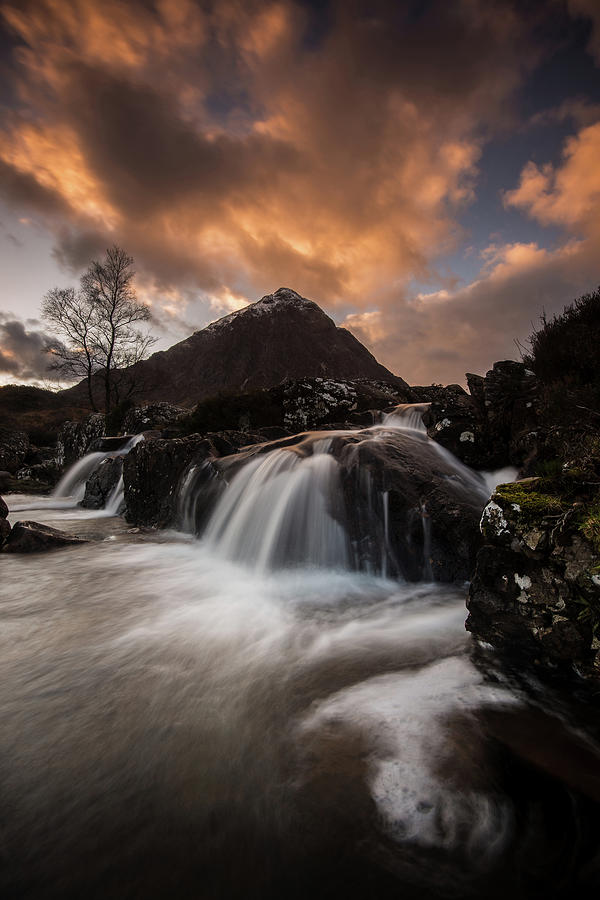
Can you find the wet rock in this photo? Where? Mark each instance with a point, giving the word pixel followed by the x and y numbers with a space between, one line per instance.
pixel 427 509
pixel 453 421
pixel 33 537
pixel 14 446
pixel 75 438
pixel 109 444
pixel 4 530
pixel 535 594
pixel 153 470
pixel 492 426
pixel 154 416
pixel 297 406
pixel 102 482
pixel 313 402
pixel 46 474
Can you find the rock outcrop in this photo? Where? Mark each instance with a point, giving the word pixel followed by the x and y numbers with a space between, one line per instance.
pixel 75 438
pixel 494 424
pixel 14 446
pixel 154 469
pixel 295 406
pixel 153 417
pixel 535 594
pixel 33 537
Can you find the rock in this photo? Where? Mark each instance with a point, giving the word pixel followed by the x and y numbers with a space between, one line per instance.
pixel 535 594
pixel 154 416
pixel 14 446
pixel 75 438
pixel 453 421
pixel 298 405
pixel 3 509
pixel 153 470
pixel 102 482
pixel 430 508
pixel 46 474
pixel 109 444
pixel 494 425
pixel 32 537
pixel 4 530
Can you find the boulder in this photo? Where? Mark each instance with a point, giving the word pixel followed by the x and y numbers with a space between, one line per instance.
pixel 45 474
pixel 454 422
pixel 75 438
pixel 405 495
pixel 154 416
pixel 102 482
pixel 535 594
pixel 14 446
pixel 4 530
pixel 33 537
pixel 492 426
pixel 154 469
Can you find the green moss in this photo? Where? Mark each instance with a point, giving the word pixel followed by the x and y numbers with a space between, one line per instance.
pixel 533 503
pixel 590 524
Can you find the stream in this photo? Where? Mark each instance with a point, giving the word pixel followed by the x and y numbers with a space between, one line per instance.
pixel 192 718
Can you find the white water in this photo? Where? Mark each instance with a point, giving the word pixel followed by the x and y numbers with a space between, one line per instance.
pixel 174 724
pixel 72 484
pixel 70 490
pixel 286 506
pixel 279 510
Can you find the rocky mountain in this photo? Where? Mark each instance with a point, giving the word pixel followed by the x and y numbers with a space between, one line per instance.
pixel 282 336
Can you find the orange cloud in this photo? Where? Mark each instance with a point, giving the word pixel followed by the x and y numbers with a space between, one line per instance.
pixel 568 195
pixel 235 163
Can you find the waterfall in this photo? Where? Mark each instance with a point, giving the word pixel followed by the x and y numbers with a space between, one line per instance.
pixel 73 482
pixel 325 500
pixel 407 416
pixel 282 508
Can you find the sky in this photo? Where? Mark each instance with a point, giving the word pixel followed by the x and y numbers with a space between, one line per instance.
pixel 427 172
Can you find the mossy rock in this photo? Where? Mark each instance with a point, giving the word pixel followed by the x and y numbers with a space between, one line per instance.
pixel 527 500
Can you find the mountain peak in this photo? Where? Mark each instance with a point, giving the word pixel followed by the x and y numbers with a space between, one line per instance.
pixel 281 336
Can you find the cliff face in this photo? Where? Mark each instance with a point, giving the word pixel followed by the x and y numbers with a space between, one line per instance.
pixel 282 336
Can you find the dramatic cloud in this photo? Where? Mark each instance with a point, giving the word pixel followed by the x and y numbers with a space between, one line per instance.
pixel 233 147
pixel 429 337
pixel 225 147
pixel 22 355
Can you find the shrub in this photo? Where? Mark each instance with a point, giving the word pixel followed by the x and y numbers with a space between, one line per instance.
pixel 564 349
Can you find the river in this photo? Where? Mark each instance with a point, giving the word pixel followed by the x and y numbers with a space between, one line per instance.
pixel 176 724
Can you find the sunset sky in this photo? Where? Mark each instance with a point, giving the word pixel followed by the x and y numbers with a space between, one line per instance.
pixel 428 172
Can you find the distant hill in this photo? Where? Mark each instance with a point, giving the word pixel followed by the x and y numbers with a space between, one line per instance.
pixel 282 336
pixel 36 411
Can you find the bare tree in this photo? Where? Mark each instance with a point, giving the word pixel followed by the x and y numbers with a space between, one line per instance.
pixel 98 323
pixel 73 318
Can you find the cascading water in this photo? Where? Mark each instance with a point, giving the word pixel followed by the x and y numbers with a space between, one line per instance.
pixel 176 724
pixel 283 508
pixel 72 484
pixel 316 502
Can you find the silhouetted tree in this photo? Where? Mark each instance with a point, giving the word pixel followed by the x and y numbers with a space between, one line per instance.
pixel 97 327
